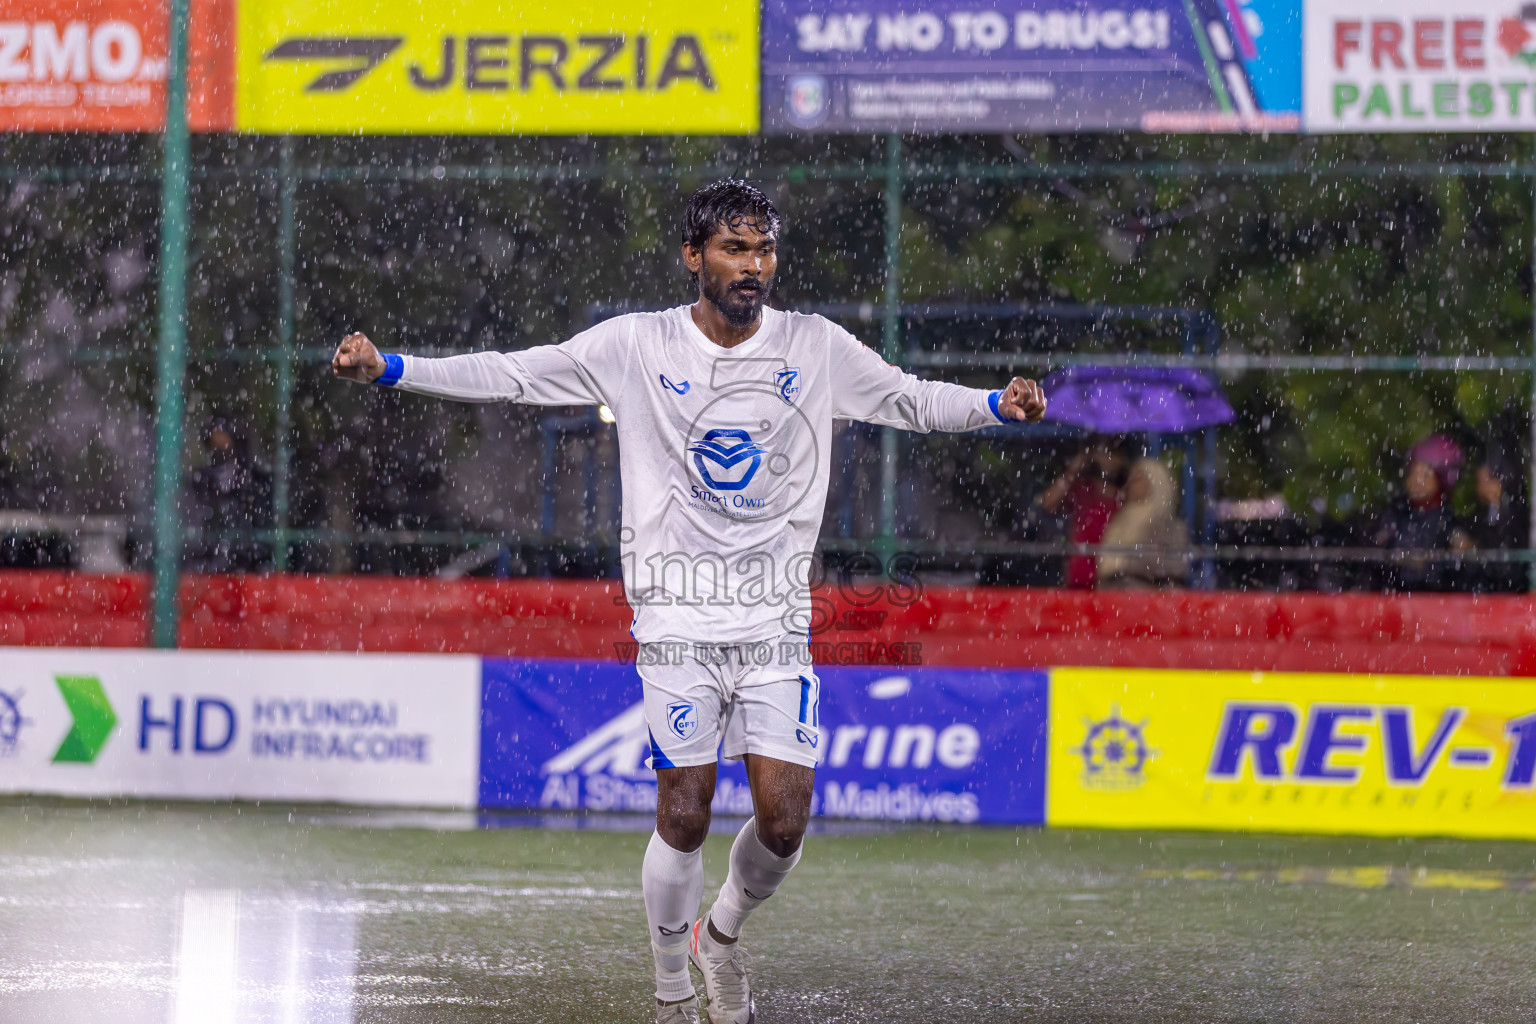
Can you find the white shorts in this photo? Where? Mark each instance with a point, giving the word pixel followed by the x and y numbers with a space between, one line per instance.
pixel 705 701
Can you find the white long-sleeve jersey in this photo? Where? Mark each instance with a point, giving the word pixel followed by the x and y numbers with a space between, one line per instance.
pixel 724 452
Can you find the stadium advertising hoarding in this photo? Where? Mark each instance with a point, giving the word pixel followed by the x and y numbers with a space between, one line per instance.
pixel 484 67
pixel 1420 65
pixel 364 729
pixel 1382 755
pixel 99 65
pixel 920 744
pixel 1031 65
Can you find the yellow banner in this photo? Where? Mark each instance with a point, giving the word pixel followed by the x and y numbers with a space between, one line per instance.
pixel 1381 755
pixel 491 67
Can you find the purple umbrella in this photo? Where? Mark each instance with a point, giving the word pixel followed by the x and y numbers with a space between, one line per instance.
pixel 1129 399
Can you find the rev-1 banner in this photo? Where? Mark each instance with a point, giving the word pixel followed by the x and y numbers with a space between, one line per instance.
pixel 922 744
pixel 1031 65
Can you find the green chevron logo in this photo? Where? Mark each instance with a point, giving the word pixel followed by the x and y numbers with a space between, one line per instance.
pixel 94 719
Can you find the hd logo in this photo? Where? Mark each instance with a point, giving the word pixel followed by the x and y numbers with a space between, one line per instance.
pixel 485 67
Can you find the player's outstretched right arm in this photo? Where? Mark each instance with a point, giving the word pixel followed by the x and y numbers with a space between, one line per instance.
pixel 357 359
pixel 589 369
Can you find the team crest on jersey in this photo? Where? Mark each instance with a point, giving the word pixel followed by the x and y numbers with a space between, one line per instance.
pixel 683 719
pixel 730 452
pixel 788 381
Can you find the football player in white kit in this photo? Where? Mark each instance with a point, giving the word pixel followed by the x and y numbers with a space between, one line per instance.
pixel 724 413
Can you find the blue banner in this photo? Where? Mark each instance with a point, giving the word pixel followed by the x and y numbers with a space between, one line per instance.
pixel 1031 65
pixel 921 744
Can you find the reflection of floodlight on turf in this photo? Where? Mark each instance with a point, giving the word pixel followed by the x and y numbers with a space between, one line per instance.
pixel 605 414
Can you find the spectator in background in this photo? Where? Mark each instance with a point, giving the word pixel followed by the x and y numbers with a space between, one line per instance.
pixel 1501 522
pixel 232 494
pixel 1148 522
pixel 1087 495
pixel 1422 519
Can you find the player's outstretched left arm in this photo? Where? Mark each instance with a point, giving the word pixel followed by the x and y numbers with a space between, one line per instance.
pixel 1022 400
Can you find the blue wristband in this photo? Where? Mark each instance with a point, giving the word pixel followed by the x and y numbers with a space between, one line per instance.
pixel 394 368
pixel 992 401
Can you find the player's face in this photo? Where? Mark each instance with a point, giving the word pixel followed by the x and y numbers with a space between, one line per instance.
pixel 736 271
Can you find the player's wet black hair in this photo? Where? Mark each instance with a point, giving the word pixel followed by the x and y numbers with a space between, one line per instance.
pixel 731 202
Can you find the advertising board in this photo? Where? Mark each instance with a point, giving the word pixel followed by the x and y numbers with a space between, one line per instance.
pixel 1420 66
pixel 349 728
pixel 922 744
pixel 484 67
pixel 1031 65
pixel 1382 755
pixel 99 65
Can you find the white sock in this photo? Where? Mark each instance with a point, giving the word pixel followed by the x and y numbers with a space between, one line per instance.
pixel 673 883
pixel 755 874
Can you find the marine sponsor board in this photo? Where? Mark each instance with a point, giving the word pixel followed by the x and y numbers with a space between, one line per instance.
pixel 367 729
pixel 1031 65
pixel 1420 65
pixel 924 744
pixel 1383 755
pixel 480 66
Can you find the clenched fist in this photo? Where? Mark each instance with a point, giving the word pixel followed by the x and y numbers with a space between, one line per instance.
pixel 1022 400
pixel 357 359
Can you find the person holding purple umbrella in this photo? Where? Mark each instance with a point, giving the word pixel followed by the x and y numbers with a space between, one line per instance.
pixel 1149 542
pixel 1422 520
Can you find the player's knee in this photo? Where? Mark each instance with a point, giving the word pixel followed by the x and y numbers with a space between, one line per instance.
pixel 781 833
pixel 683 827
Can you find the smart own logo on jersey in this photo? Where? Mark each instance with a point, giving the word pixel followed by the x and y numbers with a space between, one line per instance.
pixel 727 450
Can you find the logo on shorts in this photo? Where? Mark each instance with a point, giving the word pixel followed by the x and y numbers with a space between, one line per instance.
pixel 683 719
pixel 805 737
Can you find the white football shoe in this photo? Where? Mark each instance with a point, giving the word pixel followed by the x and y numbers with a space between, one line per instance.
pixel 685 1012
pixel 728 996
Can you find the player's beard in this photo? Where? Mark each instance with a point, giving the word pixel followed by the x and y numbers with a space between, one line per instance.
pixel 739 306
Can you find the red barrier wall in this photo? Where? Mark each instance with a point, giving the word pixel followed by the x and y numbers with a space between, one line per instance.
pixel 1443 635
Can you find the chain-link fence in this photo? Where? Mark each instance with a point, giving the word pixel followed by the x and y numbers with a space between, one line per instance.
pixel 1364 305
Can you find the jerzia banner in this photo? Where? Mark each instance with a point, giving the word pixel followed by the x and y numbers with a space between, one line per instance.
pixel 479 66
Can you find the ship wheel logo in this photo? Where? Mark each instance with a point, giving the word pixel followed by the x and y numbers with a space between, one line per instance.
pixel 1115 752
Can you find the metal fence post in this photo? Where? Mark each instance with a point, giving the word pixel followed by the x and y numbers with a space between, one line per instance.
pixel 170 393
pixel 890 343
pixel 1531 491
pixel 282 453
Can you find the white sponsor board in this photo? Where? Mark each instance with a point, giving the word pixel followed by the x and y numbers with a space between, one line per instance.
pixel 346 728
pixel 1419 66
